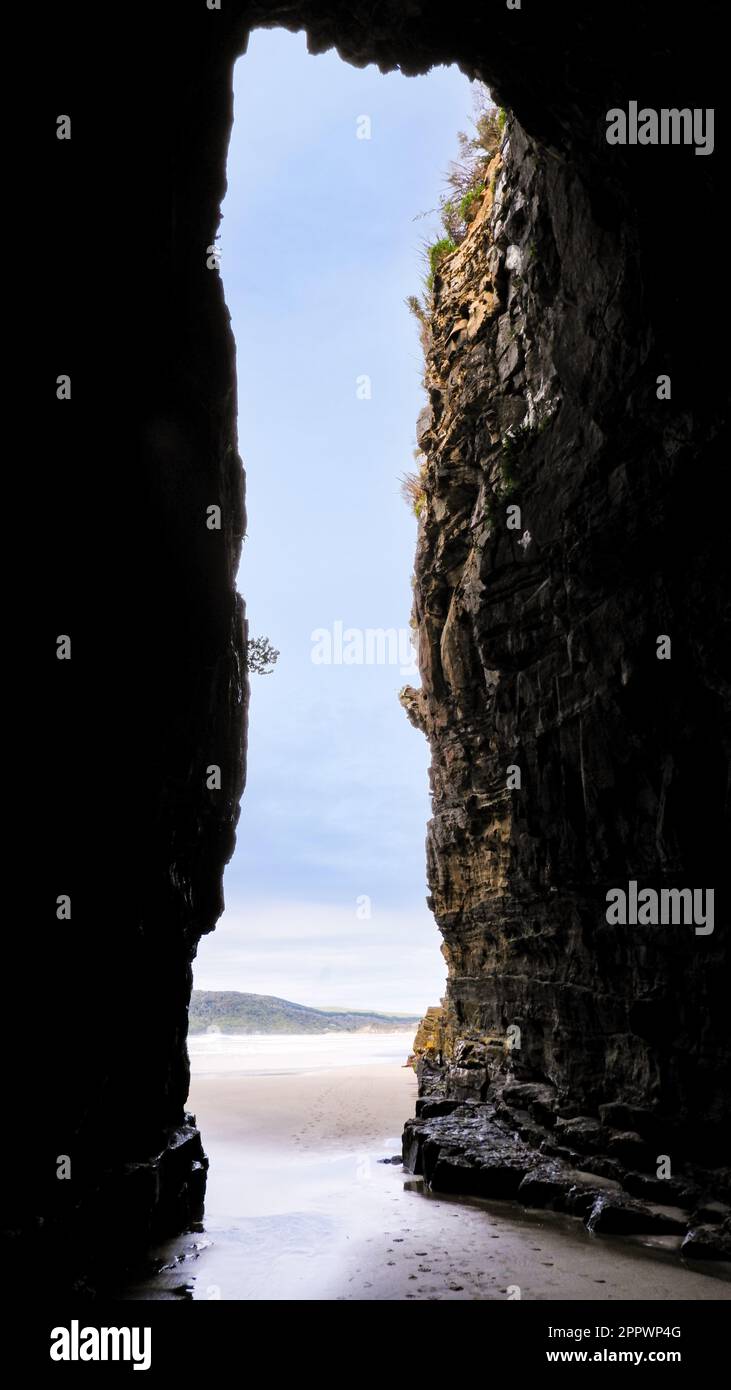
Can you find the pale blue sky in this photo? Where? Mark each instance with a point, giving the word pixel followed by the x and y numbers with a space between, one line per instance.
pixel 321 242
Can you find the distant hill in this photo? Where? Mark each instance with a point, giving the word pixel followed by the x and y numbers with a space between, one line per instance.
pixel 231 1012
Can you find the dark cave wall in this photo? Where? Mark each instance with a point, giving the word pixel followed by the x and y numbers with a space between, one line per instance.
pixel 156 688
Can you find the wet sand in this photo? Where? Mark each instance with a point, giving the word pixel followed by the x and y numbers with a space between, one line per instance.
pixel 299 1207
pixel 323 1110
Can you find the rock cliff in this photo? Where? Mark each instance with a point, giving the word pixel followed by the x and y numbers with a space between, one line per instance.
pixel 558 539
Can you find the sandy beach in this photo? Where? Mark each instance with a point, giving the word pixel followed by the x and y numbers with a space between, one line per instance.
pixel 342 1099
pixel 300 1206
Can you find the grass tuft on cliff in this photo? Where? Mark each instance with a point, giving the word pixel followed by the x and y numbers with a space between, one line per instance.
pixel 435 255
pixel 413 486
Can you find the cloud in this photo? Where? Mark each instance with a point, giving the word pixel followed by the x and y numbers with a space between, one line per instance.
pixel 322 954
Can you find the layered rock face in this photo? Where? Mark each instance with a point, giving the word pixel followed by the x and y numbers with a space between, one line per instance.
pixel 555 552
pixel 578 286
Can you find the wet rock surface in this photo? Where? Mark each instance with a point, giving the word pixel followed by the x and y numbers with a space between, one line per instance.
pixel 710 1242
pixel 483 1150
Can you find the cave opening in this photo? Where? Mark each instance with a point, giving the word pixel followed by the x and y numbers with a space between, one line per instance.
pixel 335 183
pixel 623 757
pixel 556 223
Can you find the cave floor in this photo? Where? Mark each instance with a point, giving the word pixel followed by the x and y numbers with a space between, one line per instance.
pixel 299 1207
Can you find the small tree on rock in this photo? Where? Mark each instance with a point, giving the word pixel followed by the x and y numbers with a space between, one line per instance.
pixel 261 656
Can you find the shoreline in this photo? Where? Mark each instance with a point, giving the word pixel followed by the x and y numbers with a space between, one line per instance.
pixel 301 1206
